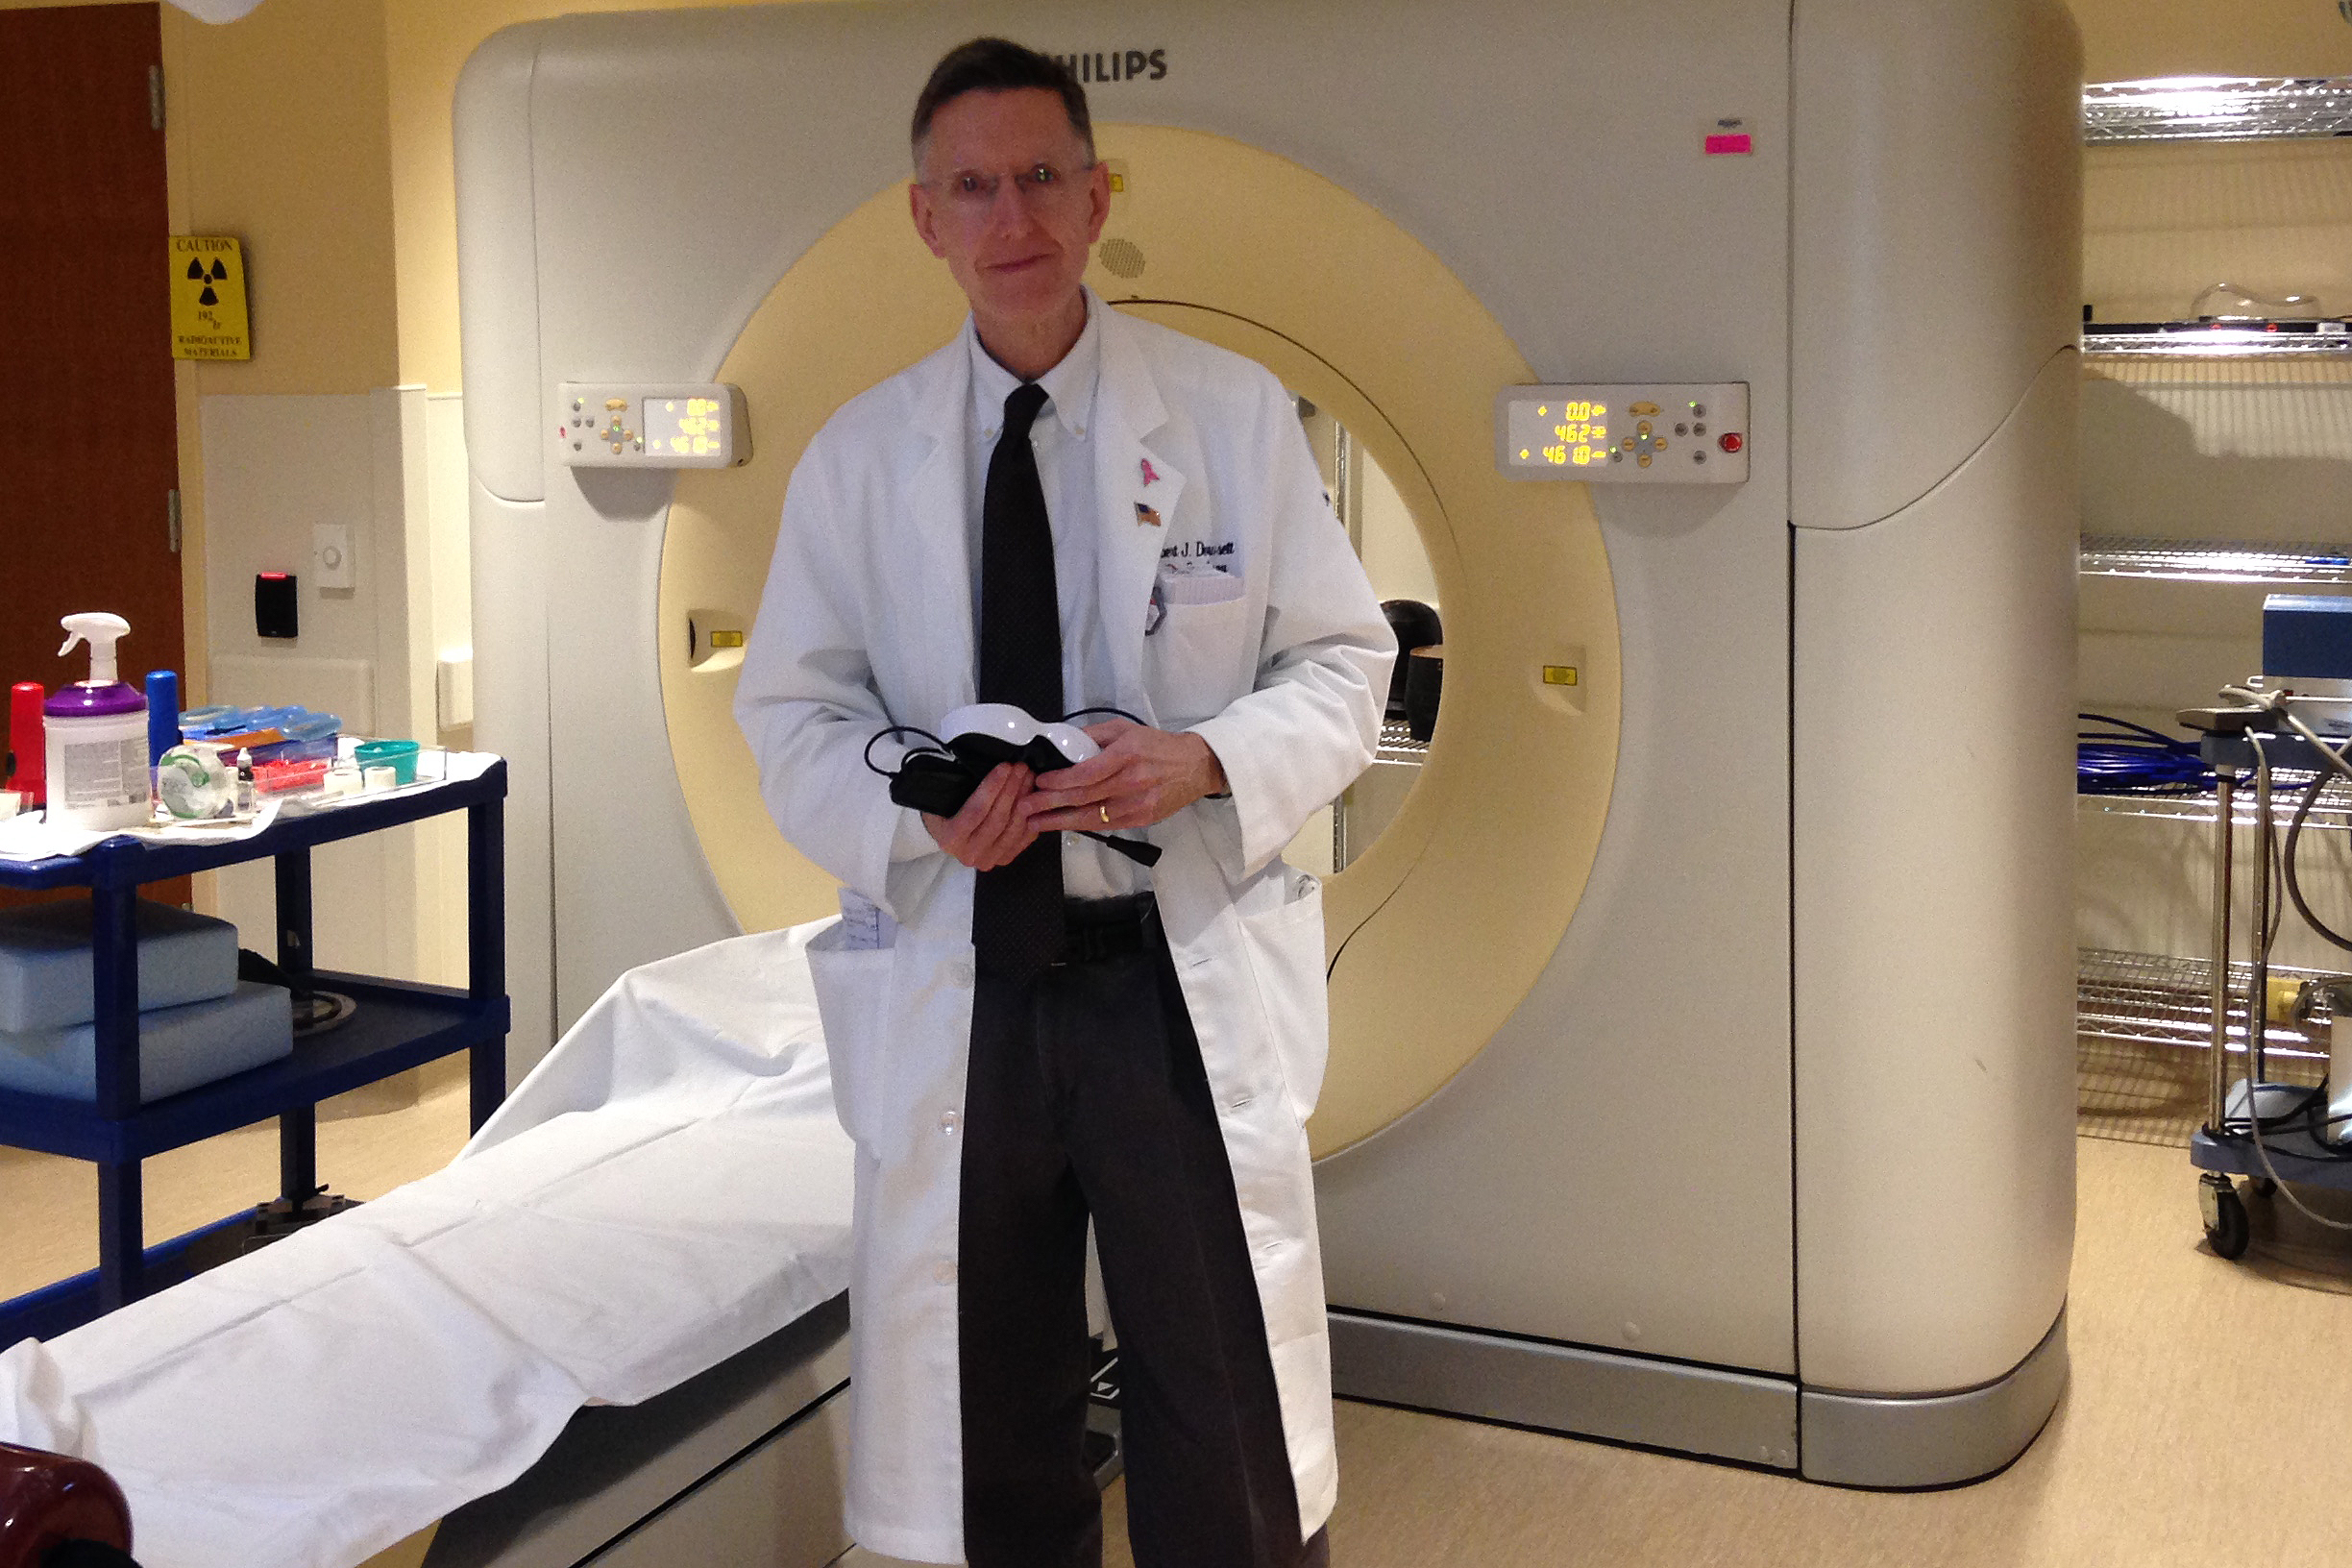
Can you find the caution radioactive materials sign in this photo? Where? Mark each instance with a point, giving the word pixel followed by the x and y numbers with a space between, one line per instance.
pixel 208 298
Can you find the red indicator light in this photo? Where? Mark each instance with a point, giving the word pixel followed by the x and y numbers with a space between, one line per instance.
pixel 273 576
pixel 1731 441
pixel 1719 146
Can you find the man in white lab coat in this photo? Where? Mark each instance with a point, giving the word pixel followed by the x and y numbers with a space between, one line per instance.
pixel 1068 509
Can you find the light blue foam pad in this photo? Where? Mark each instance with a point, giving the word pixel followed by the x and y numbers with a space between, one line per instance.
pixel 45 962
pixel 180 1047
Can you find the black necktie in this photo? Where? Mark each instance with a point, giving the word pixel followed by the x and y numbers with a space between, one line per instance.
pixel 1016 909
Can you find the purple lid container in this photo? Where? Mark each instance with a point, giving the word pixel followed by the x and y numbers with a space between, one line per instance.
pixel 85 701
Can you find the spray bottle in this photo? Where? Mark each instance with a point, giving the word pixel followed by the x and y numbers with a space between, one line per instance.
pixel 97 734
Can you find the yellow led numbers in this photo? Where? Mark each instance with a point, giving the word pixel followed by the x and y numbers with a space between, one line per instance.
pixel 1579 441
pixel 698 432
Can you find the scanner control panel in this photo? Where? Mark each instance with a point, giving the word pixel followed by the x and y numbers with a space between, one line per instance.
pixel 1664 432
pixel 640 425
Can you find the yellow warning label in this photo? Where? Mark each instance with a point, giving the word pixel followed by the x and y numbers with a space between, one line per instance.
pixel 208 298
pixel 1559 675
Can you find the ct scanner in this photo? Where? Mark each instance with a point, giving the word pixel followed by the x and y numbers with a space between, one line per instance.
pixel 1701 1059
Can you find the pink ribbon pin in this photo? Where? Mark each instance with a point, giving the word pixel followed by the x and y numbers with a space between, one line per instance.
pixel 1151 475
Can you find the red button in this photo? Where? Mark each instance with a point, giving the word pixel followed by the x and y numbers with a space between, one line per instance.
pixel 1731 441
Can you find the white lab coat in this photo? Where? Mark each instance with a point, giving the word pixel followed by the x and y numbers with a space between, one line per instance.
pixel 867 621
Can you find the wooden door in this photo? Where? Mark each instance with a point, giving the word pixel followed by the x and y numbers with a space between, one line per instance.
pixel 86 339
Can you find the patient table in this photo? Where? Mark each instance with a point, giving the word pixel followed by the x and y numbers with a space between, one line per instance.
pixel 657 1218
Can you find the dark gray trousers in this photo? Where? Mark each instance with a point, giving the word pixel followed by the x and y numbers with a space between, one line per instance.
pixel 1085 1098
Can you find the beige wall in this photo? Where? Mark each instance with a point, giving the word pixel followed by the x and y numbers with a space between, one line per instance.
pixel 280 129
pixel 2160 223
pixel 2128 40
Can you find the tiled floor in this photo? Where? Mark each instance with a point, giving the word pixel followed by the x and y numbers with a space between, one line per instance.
pixel 2199 1425
pixel 2198 1429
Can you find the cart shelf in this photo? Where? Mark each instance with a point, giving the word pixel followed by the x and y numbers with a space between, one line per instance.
pixel 398 1026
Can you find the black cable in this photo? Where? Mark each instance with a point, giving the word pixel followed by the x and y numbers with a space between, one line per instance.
pixel 2295 883
pixel 935 743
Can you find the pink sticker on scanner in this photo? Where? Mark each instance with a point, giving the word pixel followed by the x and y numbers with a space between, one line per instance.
pixel 1717 146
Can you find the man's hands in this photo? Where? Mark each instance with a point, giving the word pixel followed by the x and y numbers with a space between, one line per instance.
pixel 993 828
pixel 1142 777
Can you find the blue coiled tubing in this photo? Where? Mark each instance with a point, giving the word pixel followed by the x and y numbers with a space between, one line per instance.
pixel 2125 758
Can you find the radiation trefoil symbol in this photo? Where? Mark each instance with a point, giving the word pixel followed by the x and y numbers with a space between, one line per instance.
pixel 198 275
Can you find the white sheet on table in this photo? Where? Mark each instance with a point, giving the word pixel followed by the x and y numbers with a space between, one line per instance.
pixel 668 1187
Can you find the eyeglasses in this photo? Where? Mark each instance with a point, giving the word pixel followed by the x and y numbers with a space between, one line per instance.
pixel 970 193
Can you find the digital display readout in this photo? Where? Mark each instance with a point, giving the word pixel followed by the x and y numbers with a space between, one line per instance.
pixel 1624 432
pixel 1570 434
pixel 685 427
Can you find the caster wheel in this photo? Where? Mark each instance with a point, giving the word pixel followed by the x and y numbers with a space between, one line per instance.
pixel 2226 1230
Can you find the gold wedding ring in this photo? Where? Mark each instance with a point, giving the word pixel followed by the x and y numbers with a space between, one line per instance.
pixel 1106 814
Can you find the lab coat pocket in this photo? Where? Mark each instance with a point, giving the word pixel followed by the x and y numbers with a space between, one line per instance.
pixel 853 1001
pixel 1199 658
pixel 1285 952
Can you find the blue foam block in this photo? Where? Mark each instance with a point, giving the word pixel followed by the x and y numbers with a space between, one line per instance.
pixel 180 1047
pixel 45 962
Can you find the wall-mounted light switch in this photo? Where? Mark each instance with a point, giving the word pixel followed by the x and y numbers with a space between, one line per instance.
pixel 331 553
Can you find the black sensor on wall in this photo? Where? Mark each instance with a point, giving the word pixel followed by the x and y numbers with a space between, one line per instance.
pixel 277 612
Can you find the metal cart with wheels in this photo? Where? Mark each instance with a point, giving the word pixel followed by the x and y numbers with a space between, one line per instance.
pixel 2227 1148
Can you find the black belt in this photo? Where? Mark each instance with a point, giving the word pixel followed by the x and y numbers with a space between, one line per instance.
pixel 1100 928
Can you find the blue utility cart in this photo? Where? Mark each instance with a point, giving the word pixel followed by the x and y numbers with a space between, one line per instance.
pixel 397 1025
